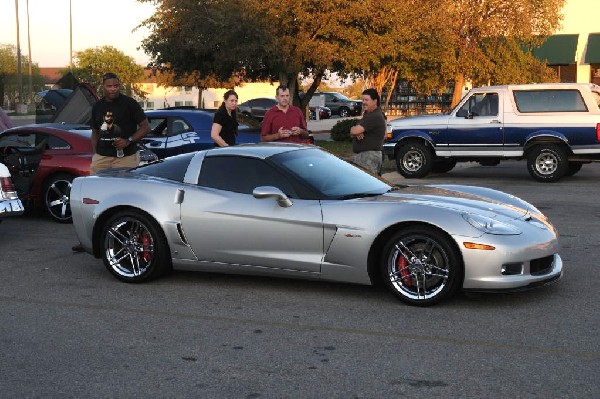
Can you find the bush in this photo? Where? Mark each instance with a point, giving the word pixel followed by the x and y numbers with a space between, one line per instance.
pixel 341 130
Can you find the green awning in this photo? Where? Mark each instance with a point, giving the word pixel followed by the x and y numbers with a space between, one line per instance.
pixel 558 50
pixel 592 52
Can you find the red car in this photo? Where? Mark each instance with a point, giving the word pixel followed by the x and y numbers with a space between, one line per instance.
pixel 43 160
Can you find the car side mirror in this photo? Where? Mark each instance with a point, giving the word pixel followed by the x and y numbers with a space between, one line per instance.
pixel 272 192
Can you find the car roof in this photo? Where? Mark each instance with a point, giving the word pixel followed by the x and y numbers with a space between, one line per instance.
pixel 257 150
pixel 53 128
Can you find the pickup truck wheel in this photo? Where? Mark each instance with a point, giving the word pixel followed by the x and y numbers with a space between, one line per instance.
pixel 414 160
pixel 547 162
pixel 344 112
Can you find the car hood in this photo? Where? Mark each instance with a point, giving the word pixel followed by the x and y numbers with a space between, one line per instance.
pixel 419 120
pixel 465 199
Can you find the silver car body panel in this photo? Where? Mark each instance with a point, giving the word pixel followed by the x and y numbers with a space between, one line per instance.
pixel 215 230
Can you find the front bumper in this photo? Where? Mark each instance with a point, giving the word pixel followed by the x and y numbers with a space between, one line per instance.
pixel 11 207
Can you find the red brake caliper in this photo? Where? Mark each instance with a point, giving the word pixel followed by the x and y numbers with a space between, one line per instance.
pixel 401 265
pixel 146 248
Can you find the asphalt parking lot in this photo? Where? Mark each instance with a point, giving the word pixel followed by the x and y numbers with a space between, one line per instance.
pixel 68 329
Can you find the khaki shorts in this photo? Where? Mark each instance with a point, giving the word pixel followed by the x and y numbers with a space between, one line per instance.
pixel 101 162
pixel 370 160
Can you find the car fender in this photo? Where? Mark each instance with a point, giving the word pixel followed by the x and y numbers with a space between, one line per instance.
pixel 545 135
pixel 391 147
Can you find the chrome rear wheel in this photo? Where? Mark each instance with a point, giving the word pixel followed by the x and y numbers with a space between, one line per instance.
pixel 134 249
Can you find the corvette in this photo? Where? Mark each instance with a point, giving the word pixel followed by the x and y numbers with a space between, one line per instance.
pixel 300 212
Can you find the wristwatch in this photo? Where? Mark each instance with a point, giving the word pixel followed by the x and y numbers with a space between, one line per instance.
pixel 130 139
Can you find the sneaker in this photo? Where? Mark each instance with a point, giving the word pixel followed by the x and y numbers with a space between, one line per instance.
pixel 77 248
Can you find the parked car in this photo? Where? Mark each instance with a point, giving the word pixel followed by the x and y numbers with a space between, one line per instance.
pixel 298 211
pixel 555 127
pixel 10 204
pixel 177 131
pixel 339 104
pixel 257 107
pixel 324 113
pixel 43 160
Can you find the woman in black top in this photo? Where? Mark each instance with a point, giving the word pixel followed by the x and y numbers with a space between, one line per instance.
pixel 224 127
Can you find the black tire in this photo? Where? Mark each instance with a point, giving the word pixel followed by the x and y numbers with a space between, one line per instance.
pixel 443 166
pixel 547 162
pixel 414 160
pixel 57 197
pixel 344 112
pixel 134 248
pixel 573 168
pixel 421 266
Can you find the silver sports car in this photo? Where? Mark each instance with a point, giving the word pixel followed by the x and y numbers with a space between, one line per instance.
pixel 298 211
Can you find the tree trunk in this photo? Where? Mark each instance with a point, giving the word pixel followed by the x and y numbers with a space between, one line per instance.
pixel 459 83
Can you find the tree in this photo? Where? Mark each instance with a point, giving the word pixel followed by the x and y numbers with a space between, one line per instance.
pixel 9 89
pixel 92 63
pixel 470 26
pixel 280 40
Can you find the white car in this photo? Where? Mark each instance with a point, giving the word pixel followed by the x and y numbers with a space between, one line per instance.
pixel 10 204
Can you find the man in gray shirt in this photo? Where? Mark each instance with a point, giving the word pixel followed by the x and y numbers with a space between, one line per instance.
pixel 369 134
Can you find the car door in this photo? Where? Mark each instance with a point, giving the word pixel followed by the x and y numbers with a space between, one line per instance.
pixel 156 139
pixel 223 222
pixel 477 128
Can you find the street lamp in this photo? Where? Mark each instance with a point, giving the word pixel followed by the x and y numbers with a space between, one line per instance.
pixel 19 75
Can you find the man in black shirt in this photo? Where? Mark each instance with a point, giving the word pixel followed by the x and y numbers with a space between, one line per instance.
pixel 369 134
pixel 118 122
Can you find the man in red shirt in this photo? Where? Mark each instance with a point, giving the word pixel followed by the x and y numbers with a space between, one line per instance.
pixel 284 122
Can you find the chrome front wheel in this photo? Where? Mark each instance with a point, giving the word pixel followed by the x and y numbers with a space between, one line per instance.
pixel 57 193
pixel 421 266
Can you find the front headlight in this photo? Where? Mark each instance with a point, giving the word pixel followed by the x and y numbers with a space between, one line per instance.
pixel 490 226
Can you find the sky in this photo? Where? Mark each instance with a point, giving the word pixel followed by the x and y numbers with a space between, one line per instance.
pixel 95 23
pixel 111 22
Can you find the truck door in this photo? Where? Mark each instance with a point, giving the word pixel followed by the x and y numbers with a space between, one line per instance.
pixel 476 129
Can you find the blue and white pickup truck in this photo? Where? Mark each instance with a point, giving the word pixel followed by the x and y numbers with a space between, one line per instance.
pixel 555 127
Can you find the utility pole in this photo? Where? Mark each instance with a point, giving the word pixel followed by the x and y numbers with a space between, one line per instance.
pixel 30 60
pixel 70 36
pixel 19 74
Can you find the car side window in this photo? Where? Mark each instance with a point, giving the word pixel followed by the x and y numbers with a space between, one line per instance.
pixel 569 100
pixel 241 175
pixel 158 127
pixel 21 141
pixel 54 143
pixel 480 104
pixel 178 126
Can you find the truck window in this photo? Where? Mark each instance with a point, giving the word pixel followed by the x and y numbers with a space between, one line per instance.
pixel 569 100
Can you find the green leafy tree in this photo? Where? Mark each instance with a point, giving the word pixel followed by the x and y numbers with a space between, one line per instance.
pixel 92 63
pixel 474 33
pixel 9 79
pixel 282 40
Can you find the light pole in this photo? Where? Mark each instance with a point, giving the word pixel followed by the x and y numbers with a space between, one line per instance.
pixel 30 60
pixel 70 36
pixel 19 75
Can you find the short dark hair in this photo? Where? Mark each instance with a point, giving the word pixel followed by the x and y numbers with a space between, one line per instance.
pixel 109 75
pixel 282 88
pixel 372 93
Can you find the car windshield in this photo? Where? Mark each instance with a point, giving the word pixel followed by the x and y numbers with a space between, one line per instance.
pixel 341 96
pixel 331 176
